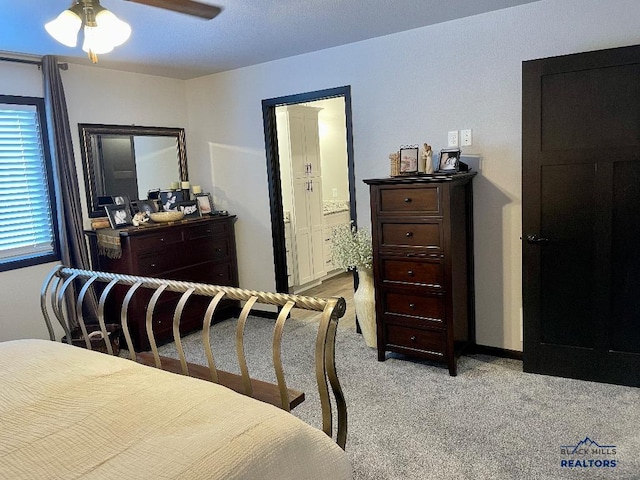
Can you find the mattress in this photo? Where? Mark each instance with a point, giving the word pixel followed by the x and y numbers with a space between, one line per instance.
pixel 66 412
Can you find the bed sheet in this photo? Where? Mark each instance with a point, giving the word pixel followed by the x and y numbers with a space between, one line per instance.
pixel 66 412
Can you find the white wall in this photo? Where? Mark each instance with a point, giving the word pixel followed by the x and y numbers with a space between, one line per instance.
pixel 408 88
pixel 333 149
pixel 94 95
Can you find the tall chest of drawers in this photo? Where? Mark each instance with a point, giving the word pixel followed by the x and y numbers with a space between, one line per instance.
pixel 200 250
pixel 422 229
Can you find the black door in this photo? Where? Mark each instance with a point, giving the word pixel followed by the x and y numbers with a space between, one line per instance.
pixel 581 215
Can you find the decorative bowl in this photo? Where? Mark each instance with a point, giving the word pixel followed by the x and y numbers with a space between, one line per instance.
pixel 170 216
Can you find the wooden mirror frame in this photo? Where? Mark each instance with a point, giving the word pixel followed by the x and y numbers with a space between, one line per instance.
pixel 90 162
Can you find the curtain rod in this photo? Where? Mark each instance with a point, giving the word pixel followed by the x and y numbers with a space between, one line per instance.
pixel 63 66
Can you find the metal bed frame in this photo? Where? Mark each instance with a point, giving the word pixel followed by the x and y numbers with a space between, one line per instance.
pixel 59 286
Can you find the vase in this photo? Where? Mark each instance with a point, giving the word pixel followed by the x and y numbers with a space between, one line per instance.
pixel 365 303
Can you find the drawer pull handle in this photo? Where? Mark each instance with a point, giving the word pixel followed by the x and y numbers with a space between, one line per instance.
pixel 407 200
pixel 410 273
pixel 153 265
pixel 413 338
pixel 161 239
pixel 409 234
pixel 221 274
pixel 412 305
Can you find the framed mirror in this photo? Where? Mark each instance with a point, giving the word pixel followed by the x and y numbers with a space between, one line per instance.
pixel 130 160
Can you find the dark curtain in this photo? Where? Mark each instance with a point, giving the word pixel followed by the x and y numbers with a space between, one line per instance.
pixel 73 248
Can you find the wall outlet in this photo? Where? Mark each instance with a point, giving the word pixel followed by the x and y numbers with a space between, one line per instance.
pixel 465 138
pixel 452 138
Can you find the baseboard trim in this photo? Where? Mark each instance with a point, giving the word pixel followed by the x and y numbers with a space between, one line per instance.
pixel 494 351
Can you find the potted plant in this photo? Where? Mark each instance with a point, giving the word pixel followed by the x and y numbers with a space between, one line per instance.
pixel 351 249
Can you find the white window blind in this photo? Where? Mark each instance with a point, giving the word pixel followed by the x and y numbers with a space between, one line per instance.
pixel 26 226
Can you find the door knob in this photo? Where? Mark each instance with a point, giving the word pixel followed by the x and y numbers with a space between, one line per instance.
pixel 536 239
pixel 409 234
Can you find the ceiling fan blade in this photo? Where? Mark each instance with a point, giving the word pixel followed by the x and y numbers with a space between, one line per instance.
pixel 188 7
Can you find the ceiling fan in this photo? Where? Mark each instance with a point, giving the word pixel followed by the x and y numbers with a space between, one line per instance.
pixel 102 30
pixel 188 7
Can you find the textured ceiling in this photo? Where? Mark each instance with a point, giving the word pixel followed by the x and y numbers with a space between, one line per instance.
pixel 247 32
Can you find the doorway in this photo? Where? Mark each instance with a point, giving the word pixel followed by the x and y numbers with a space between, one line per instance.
pixel 581 228
pixel 300 241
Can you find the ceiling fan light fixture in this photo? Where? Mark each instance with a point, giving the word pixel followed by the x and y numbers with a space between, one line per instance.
pixel 113 28
pixel 102 29
pixel 96 42
pixel 65 28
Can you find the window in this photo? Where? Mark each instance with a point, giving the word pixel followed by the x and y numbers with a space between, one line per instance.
pixel 27 223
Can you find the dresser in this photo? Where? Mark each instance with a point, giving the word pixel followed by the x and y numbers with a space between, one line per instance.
pixel 422 230
pixel 198 250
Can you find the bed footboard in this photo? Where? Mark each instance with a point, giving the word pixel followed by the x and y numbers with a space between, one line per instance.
pixel 59 287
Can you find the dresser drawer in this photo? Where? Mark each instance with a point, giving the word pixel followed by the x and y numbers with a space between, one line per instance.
pixel 429 341
pixel 426 307
pixel 206 231
pixel 410 200
pixel 422 235
pixel 214 273
pixel 221 274
pixel 154 264
pixel 424 273
pixel 156 240
pixel 211 249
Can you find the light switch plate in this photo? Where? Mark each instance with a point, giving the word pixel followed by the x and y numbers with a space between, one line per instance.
pixel 452 138
pixel 466 138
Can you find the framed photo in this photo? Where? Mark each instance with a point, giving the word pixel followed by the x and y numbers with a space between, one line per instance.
pixel 121 199
pixel 189 208
pixel 449 160
pixel 169 199
pixel 147 206
pixel 119 215
pixel 408 160
pixel 205 203
pixel 153 194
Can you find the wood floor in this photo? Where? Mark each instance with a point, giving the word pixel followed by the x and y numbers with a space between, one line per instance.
pixel 338 286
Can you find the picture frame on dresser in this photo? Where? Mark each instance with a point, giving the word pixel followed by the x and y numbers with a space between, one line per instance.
pixel 119 215
pixel 153 194
pixel 205 203
pixel 408 160
pixel 121 199
pixel 169 199
pixel 190 209
pixel 147 206
pixel 449 160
